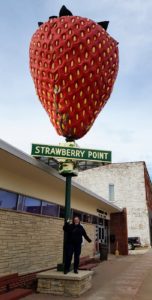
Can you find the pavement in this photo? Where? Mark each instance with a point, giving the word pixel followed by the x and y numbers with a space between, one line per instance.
pixel 119 278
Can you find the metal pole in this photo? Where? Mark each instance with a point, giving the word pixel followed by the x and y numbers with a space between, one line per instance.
pixel 67 209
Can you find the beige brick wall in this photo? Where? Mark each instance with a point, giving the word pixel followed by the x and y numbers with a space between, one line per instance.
pixel 30 242
pixel 88 248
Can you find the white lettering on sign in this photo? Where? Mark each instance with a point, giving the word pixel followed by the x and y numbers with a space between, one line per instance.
pixel 77 153
pixel 52 152
pixel 68 152
pixel 106 155
pixel 72 153
pixel 63 152
pixel 37 150
pixel 82 153
pixel 97 155
pixel 58 151
pixel 47 150
pixel 89 154
pixel 43 149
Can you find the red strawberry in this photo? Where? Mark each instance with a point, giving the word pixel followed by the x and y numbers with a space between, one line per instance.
pixel 74 63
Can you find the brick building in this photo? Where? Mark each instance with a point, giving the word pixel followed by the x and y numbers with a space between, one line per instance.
pixel 125 185
pixel 32 211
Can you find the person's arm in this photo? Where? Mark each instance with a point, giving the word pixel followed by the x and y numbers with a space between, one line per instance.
pixel 66 226
pixel 86 236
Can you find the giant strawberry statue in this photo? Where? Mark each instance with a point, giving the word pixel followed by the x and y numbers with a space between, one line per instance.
pixel 74 63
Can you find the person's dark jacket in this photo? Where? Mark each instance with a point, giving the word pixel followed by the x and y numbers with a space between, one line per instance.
pixel 75 233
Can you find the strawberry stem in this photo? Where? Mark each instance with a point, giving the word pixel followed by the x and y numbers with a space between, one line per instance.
pixel 52 17
pixel 64 12
pixel 69 139
pixel 104 24
pixel 40 23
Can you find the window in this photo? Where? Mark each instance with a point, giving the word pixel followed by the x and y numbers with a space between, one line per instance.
pixel 11 200
pixel 94 220
pixel 20 202
pixel 31 205
pixel 111 192
pixel 8 199
pixel 87 218
pixel 101 221
pixel 62 212
pixel 50 209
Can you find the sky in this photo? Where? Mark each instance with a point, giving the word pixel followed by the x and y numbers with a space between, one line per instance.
pixel 124 125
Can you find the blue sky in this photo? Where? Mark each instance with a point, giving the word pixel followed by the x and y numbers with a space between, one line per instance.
pixel 124 125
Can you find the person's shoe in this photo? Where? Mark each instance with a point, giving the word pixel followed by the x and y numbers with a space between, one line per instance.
pixel 76 271
pixel 66 272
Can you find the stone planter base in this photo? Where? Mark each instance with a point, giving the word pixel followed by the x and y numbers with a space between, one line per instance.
pixel 56 283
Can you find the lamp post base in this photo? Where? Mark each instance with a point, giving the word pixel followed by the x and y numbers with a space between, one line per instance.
pixel 70 285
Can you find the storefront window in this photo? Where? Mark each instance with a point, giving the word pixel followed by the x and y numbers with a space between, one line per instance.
pixel 50 209
pixel 8 199
pixel 31 205
pixel 11 200
pixel 20 203
pixel 87 218
pixel 101 221
pixel 94 220
pixel 62 212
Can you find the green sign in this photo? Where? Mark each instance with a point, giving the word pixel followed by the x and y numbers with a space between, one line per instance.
pixel 71 153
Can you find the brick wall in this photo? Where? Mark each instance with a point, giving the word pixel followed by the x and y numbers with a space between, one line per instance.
pixel 129 192
pixel 30 243
pixel 118 228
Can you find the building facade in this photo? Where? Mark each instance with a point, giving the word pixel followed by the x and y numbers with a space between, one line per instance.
pixel 32 214
pixel 125 185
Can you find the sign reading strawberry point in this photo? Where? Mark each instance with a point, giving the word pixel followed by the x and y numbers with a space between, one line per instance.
pixel 71 153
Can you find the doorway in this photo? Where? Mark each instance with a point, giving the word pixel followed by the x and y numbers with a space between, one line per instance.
pixel 101 233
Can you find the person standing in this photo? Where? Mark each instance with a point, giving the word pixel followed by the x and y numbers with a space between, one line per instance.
pixel 74 233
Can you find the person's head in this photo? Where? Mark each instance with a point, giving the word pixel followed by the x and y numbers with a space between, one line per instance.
pixel 76 220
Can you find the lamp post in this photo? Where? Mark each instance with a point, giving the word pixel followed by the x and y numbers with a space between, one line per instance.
pixel 67 213
pixel 68 169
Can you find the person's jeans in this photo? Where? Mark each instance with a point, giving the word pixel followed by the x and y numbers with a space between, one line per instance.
pixel 70 250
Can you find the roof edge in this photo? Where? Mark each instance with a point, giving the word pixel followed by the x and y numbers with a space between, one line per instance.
pixel 33 161
pixel 28 158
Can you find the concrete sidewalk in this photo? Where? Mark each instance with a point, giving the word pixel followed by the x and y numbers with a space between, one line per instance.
pixel 119 278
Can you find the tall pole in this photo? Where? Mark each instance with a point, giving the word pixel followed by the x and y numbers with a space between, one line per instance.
pixel 67 168
pixel 67 213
